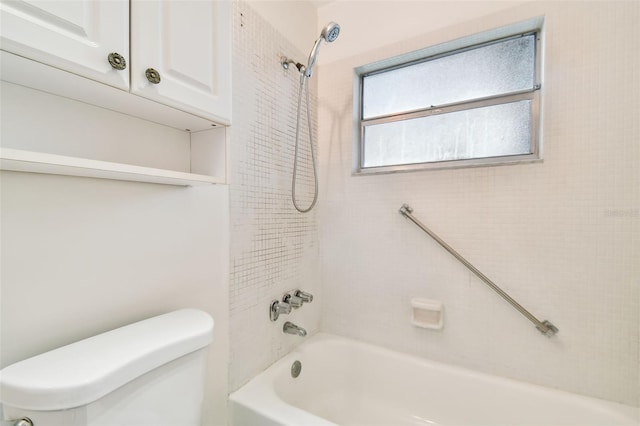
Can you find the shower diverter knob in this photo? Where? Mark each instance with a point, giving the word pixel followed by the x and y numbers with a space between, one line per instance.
pixel 292 300
pixel 306 297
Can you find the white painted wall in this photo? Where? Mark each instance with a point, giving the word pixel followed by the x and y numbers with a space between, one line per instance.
pixel 373 24
pixel 560 236
pixel 293 19
pixel 81 256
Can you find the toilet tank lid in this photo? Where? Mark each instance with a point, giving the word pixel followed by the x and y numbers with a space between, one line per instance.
pixel 84 371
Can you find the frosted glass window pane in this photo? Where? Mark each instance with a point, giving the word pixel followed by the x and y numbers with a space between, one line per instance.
pixel 495 69
pixel 492 131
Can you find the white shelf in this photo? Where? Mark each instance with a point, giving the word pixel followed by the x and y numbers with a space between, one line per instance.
pixel 37 162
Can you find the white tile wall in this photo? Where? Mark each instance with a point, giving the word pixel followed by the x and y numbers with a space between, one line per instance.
pixel 560 236
pixel 274 248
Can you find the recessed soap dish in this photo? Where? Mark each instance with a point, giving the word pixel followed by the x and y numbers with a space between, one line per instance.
pixel 427 313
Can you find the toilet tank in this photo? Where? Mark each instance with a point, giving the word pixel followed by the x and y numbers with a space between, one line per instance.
pixel 148 373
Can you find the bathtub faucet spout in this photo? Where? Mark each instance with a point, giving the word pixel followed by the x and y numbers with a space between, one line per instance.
pixel 291 328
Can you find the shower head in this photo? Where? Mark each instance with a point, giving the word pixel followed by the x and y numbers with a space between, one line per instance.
pixel 329 34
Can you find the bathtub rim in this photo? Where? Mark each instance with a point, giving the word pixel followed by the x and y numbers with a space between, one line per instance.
pixel 259 396
pixel 252 394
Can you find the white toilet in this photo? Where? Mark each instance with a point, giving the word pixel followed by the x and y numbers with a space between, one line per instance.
pixel 148 373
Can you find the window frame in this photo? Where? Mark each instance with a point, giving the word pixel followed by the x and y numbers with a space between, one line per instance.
pixel 527 28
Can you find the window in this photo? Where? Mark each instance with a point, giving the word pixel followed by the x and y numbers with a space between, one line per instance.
pixel 470 105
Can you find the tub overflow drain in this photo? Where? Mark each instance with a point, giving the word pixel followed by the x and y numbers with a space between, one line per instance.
pixel 296 368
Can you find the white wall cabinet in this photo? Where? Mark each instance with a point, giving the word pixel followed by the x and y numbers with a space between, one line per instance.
pixel 75 36
pixel 187 43
pixel 63 48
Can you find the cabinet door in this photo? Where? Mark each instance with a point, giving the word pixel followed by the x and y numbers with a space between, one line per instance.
pixel 188 44
pixel 73 35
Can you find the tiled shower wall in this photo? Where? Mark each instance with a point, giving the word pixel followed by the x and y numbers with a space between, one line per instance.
pixel 561 236
pixel 274 248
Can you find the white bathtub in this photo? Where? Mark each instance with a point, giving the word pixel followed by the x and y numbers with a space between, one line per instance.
pixel 351 383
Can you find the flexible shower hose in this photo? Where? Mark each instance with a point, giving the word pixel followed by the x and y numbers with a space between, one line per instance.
pixel 303 78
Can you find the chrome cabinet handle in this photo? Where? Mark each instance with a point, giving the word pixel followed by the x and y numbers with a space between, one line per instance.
pixel 117 61
pixel 152 75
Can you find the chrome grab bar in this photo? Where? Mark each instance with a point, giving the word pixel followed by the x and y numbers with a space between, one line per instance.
pixel 545 327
